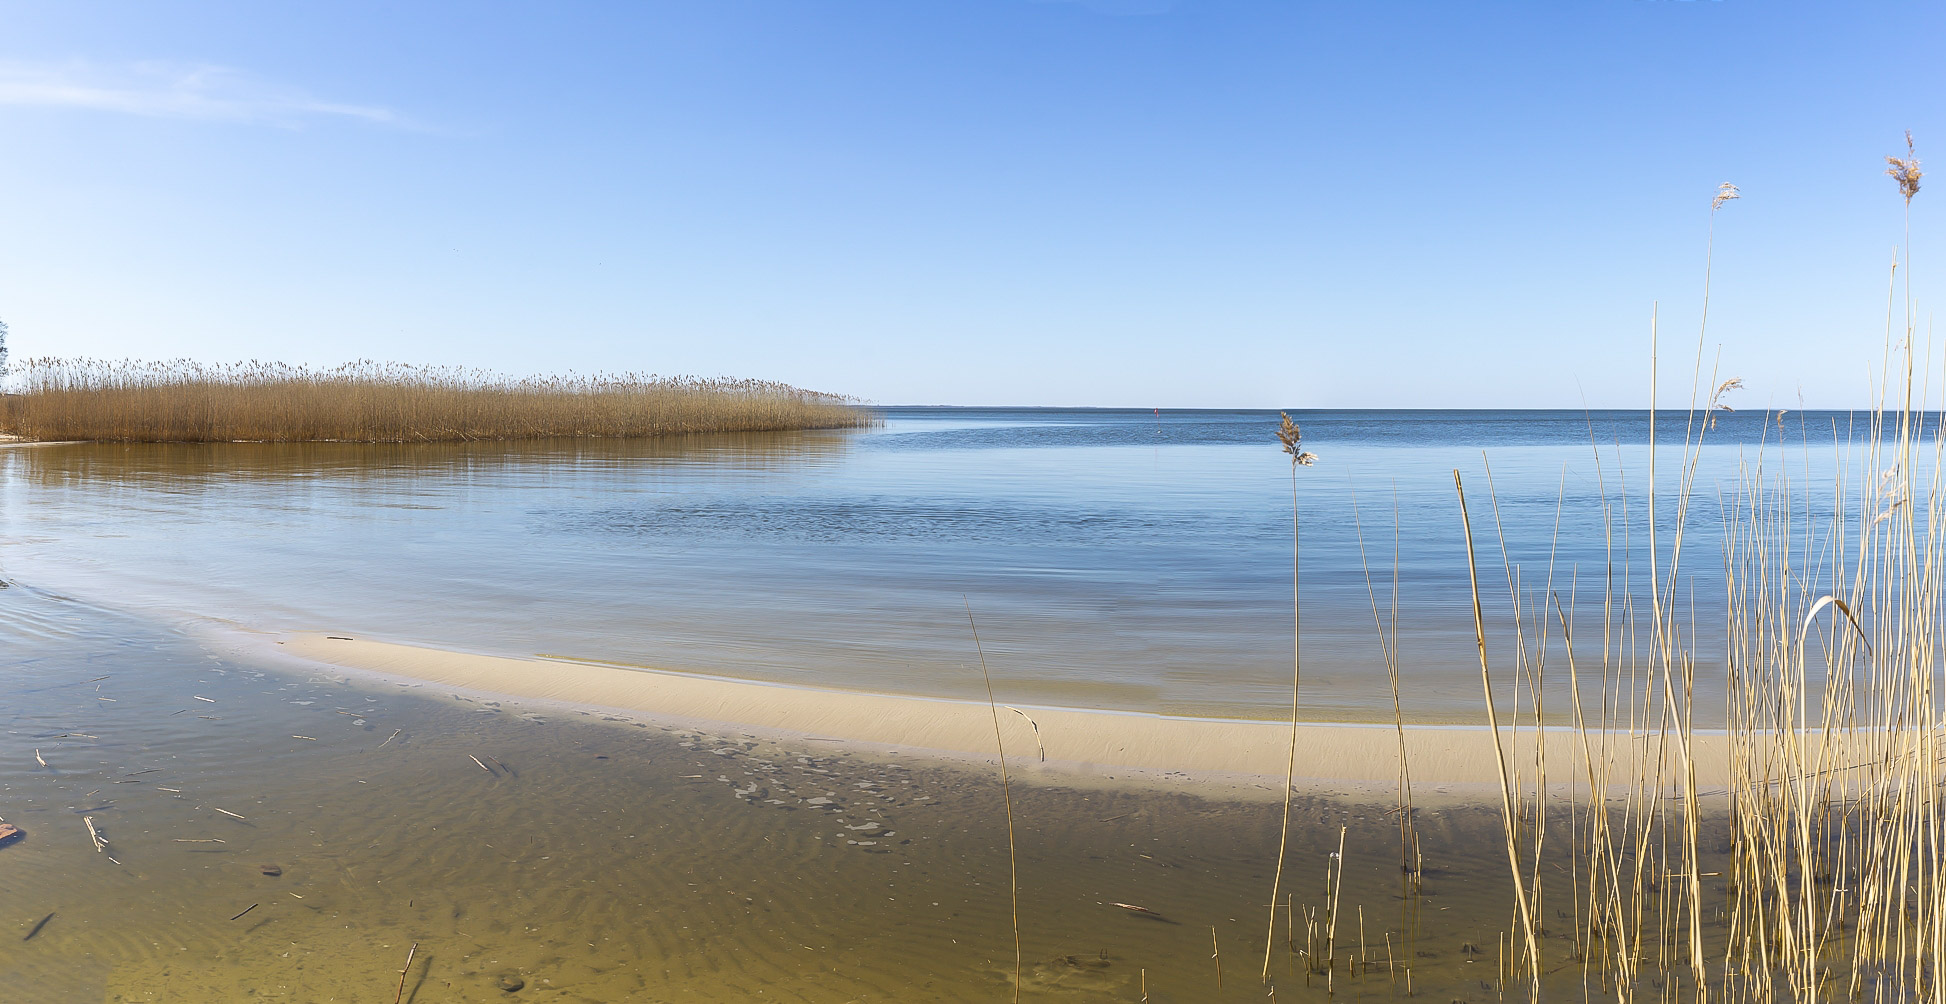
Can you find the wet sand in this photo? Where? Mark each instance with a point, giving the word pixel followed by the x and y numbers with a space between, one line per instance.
pixel 1055 745
pixel 612 858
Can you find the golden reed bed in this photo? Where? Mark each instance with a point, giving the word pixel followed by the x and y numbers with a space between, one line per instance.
pixel 188 402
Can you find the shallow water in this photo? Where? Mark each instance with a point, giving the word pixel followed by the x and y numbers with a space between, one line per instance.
pixel 599 859
pixel 1122 560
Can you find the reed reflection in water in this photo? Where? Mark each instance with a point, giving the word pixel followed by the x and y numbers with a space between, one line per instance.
pixel 1119 560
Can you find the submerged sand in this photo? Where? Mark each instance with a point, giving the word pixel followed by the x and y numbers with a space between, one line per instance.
pixel 1065 743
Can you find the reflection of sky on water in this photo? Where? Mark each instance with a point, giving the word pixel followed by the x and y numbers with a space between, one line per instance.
pixel 1114 558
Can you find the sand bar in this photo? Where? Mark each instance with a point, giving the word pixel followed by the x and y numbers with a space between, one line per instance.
pixel 1072 740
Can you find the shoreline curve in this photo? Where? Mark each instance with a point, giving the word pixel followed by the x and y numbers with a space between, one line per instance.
pixel 1052 745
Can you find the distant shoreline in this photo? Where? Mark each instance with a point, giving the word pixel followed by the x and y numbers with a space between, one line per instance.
pixel 1081 747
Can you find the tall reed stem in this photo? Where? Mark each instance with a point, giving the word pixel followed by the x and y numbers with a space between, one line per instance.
pixel 1006 793
pixel 1499 754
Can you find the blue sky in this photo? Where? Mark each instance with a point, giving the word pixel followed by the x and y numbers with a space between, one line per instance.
pixel 1118 202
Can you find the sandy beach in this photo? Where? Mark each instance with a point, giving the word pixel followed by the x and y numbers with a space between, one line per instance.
pixel 1063 744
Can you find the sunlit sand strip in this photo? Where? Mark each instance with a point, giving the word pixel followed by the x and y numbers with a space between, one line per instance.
pixel 1075 742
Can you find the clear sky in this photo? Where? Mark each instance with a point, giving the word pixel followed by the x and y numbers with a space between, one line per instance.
pixel 1114 202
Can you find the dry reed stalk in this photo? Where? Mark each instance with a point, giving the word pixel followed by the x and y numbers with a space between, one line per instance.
pixel 1836 727
pixel 186 401
pixel 1389 649
pixel 1216 954
pixel 94 835
pixel 1292 440
pixel 1006 793
pixel 1337 885
pixel 1493 725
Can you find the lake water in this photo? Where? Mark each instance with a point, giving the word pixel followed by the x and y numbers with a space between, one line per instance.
pixel 283 831
pixel 1125 560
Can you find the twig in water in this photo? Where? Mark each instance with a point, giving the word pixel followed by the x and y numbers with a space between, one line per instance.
pixel 311 738
pixel 200 840
pixel 388 739
pixel 396 998
pixel 476 760
pixel 1217 954
pixel 37 756
pixel 246 909
pixel 227 812
pixel 211 700
pixel 94 834
pixel 37 927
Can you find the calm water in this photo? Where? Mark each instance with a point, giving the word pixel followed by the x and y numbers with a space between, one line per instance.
pixel 1120 560
pixel 604 859
pixel 1114 559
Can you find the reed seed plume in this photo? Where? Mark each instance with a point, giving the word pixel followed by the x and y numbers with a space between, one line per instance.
pixel 1724 193
pixel 368 402
pixel 1906 172
pixel 1716 405
pixel 1293 440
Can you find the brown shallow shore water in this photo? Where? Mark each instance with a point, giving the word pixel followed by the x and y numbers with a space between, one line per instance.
pixel 592 857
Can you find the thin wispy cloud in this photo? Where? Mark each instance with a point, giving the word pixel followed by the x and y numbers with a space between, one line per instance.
pixel 172 90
